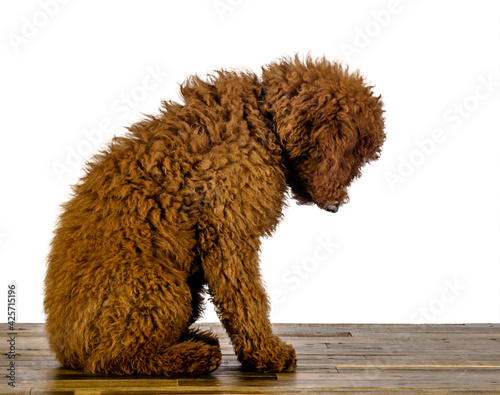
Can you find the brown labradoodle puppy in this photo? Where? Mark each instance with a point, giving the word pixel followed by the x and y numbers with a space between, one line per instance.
pixel 181 203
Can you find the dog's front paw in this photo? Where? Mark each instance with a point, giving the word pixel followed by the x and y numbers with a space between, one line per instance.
pixel 276 356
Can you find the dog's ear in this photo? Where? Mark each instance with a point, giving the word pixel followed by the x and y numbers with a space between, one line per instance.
pixel 348 132
pixel 332 158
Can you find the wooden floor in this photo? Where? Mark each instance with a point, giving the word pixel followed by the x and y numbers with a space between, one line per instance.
pixel 332 359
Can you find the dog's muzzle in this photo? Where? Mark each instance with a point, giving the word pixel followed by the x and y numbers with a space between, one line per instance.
pixel 332 208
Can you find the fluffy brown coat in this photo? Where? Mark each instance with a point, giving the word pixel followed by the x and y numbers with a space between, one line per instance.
pixel 183 200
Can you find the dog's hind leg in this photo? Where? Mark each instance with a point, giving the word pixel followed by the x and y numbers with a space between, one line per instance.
pixel 190 357
pixel 142 328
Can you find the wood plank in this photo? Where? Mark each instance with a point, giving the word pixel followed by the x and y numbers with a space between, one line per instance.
pixel 333 359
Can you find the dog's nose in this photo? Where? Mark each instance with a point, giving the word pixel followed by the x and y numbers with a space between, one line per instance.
pixel 332 208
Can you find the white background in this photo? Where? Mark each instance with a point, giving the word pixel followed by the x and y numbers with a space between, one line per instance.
pixel 419 241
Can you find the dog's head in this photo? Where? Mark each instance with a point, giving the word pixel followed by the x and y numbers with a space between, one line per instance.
pixel 329 123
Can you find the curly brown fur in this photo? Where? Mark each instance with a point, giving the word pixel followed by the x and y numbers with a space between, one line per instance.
pixel 182 201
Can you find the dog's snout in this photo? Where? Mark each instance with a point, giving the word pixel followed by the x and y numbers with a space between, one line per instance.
pixel 332 208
